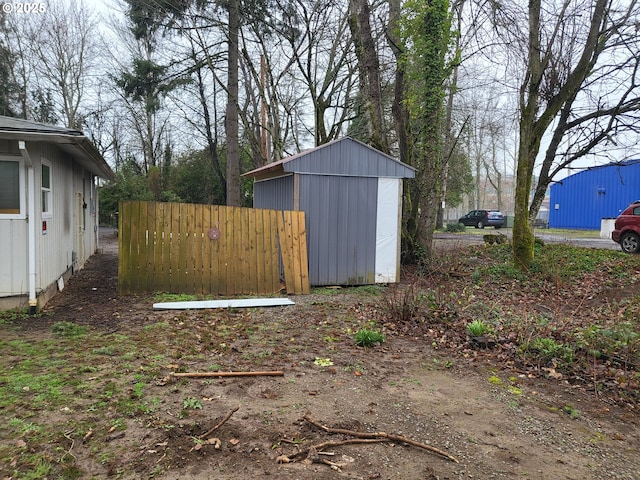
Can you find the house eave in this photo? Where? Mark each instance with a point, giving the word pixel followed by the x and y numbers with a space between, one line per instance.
pixel 73 143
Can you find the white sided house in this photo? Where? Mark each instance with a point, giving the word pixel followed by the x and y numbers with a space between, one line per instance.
pixel 48 209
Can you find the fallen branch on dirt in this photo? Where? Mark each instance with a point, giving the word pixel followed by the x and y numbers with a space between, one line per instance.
pixel 380 435
pixel 276 373
pixel 219 424
pixel 317 448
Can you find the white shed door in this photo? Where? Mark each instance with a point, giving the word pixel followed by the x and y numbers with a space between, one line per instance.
pixel 388 230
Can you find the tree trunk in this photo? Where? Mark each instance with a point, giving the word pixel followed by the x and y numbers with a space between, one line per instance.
pixel 369 72
pixel 231 119
pixel 529 144
pixel 535 120
pixel 428 29
pixel 212 142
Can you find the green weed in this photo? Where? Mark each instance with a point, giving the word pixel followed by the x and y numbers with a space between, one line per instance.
pixel 573 412
pixel 544 350
pixel 191 403
pixel 368 338
pixel 478 328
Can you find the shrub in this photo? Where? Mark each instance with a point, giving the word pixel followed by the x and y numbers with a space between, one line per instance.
pixel 402 304
pixel 478 328
pixel 368 338
pixel 455 227
pixel 545 350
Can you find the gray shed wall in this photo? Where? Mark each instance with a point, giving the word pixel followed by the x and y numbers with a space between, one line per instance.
pixel 275 193
pixel 341 228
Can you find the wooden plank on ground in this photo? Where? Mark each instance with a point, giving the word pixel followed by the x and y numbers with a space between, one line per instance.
pixel 231 303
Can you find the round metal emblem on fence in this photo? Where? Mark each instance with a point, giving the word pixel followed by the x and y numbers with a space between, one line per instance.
pixel 213 233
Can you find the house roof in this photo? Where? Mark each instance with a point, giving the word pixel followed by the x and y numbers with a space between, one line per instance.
pixel 345 156
pixel 72 142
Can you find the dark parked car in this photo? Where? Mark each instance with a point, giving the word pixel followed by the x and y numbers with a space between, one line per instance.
pixel 483 218
pixel 626 230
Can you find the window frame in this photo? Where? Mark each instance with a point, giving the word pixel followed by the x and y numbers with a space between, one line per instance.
pixel 48 213
pixel 22 214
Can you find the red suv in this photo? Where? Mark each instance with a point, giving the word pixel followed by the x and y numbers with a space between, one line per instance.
pixel 627 229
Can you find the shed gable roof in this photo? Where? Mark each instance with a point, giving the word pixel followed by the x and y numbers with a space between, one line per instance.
pixel 345 156
pixel 72 142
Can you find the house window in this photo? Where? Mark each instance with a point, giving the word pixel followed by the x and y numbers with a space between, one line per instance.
pixel 10 188
pixel 46 190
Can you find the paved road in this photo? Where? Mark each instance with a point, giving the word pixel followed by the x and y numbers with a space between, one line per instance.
pixel 594 242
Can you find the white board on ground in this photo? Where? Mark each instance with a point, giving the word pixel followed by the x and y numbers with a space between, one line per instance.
pixel 234 303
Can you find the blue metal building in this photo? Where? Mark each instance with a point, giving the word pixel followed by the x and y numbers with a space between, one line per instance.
pixel 582 200
pixel 351 194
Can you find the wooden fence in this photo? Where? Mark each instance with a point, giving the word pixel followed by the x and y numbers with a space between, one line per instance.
pixel 210 249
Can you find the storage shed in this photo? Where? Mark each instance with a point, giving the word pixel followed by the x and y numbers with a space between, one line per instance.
pixel 582 200
pixel 352 198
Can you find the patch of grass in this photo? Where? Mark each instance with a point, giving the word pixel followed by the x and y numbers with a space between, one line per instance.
pixel 17 314
pixel 68 329
pixel 107 350
pixel 161 297
pixel 24 428
pixel 328 291
pixel 502 271
pixel 155 326
pixel 370 290
pixel 368 338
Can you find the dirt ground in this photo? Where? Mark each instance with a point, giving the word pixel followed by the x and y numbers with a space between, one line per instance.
pixel 494 422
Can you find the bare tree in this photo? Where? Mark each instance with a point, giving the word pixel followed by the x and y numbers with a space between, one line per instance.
pixel 65 48
pixel 317 34
pixel 579 81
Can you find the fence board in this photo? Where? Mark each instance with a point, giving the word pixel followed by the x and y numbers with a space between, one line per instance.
pixel 146 247
pixel 158 238
pixel 174 248
pixel 167 247
pixel 223 271
pixel 124 251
